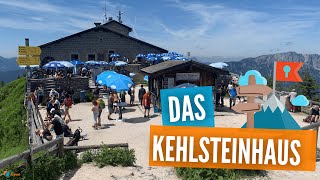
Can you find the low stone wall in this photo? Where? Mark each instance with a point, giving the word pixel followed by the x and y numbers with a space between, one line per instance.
pixel 76 83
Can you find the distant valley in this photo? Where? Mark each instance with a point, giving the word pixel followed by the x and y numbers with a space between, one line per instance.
pixel 9 70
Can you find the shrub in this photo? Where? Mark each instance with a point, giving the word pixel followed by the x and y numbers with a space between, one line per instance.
pixel 115 157
pixel 87 156
pixel 46 167
pixel 205 173
pixel 89 96
pixel 69 161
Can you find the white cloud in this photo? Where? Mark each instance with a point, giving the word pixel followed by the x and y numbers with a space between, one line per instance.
pixel 30 5
pixel 222 30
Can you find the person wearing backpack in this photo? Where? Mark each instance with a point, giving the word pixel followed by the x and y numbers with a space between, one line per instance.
pixel 101 106
pixel 67 102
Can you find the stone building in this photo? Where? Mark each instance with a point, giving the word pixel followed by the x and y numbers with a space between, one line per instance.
pixel 98 43
pixel 171 73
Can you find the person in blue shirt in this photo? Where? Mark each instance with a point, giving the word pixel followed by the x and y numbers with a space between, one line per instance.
pixel 233 94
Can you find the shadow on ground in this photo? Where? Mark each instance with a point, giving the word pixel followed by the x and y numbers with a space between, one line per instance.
pixel 76 120
pixel 106 126
pixel 225 109
pixel 127 110
pixel 137 120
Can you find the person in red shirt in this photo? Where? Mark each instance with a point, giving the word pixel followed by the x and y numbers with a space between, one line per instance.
pixel 146 101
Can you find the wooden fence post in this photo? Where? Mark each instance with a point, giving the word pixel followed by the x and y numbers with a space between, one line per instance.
pixel 60 147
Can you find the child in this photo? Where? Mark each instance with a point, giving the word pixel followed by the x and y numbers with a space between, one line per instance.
pixel 95 110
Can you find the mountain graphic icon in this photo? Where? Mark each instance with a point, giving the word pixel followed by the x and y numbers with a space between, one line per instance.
pixel 274 116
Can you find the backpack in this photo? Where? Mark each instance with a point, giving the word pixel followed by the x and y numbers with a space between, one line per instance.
pixel 102 104
pixel 69 102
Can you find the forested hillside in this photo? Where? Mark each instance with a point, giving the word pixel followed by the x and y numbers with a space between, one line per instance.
pixel 13 130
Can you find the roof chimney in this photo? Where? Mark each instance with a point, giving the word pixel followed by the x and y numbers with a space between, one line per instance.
pixel 97 24
pixel 109 19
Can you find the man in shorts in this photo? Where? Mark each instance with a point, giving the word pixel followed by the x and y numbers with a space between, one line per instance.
pixel 146 103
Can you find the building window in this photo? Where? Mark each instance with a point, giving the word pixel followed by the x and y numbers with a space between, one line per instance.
pixel 74 56
pixel 91 57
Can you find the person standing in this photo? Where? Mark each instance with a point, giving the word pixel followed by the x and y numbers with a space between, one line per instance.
pixel 223 92
pixel 67 102
pixel 291 96
pixel 218 95
pixel 115 102
pixel 142 91
pixel 233 95
pixel 110 105
pixel 101 105
pixel 147 103
pixel 71 93
pixel 95 111
pixel 130 94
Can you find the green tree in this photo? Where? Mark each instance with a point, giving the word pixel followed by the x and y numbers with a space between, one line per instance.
pixel 1 83
pixel 308 86
pixel 269 81
pixel 279 85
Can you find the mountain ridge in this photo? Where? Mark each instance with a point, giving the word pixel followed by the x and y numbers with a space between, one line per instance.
pixel 264 63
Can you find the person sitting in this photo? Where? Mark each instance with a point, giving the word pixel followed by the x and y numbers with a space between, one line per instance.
pixel 314 113
pixel 53 93
pixel 45 134
pixel 49 106
pixel 67 130
pixel 56 101
pixel 55 110
pixel 56 125
pixel 84 71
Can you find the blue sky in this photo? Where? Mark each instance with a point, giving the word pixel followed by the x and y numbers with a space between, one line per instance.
pixel 205 28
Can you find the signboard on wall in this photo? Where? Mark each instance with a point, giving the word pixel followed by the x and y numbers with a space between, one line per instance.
pixel 187 76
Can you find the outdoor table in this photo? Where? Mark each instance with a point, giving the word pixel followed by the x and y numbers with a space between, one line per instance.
pixel 120 105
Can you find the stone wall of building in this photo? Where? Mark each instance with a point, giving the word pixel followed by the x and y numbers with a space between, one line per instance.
pixel 99 42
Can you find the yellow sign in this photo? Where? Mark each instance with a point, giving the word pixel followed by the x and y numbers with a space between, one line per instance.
pixel 28 60
pixel 29 50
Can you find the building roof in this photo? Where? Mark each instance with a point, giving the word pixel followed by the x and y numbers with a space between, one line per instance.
pixel 114 21
pixel 173 64
pixel 105 29
pixel 162 66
